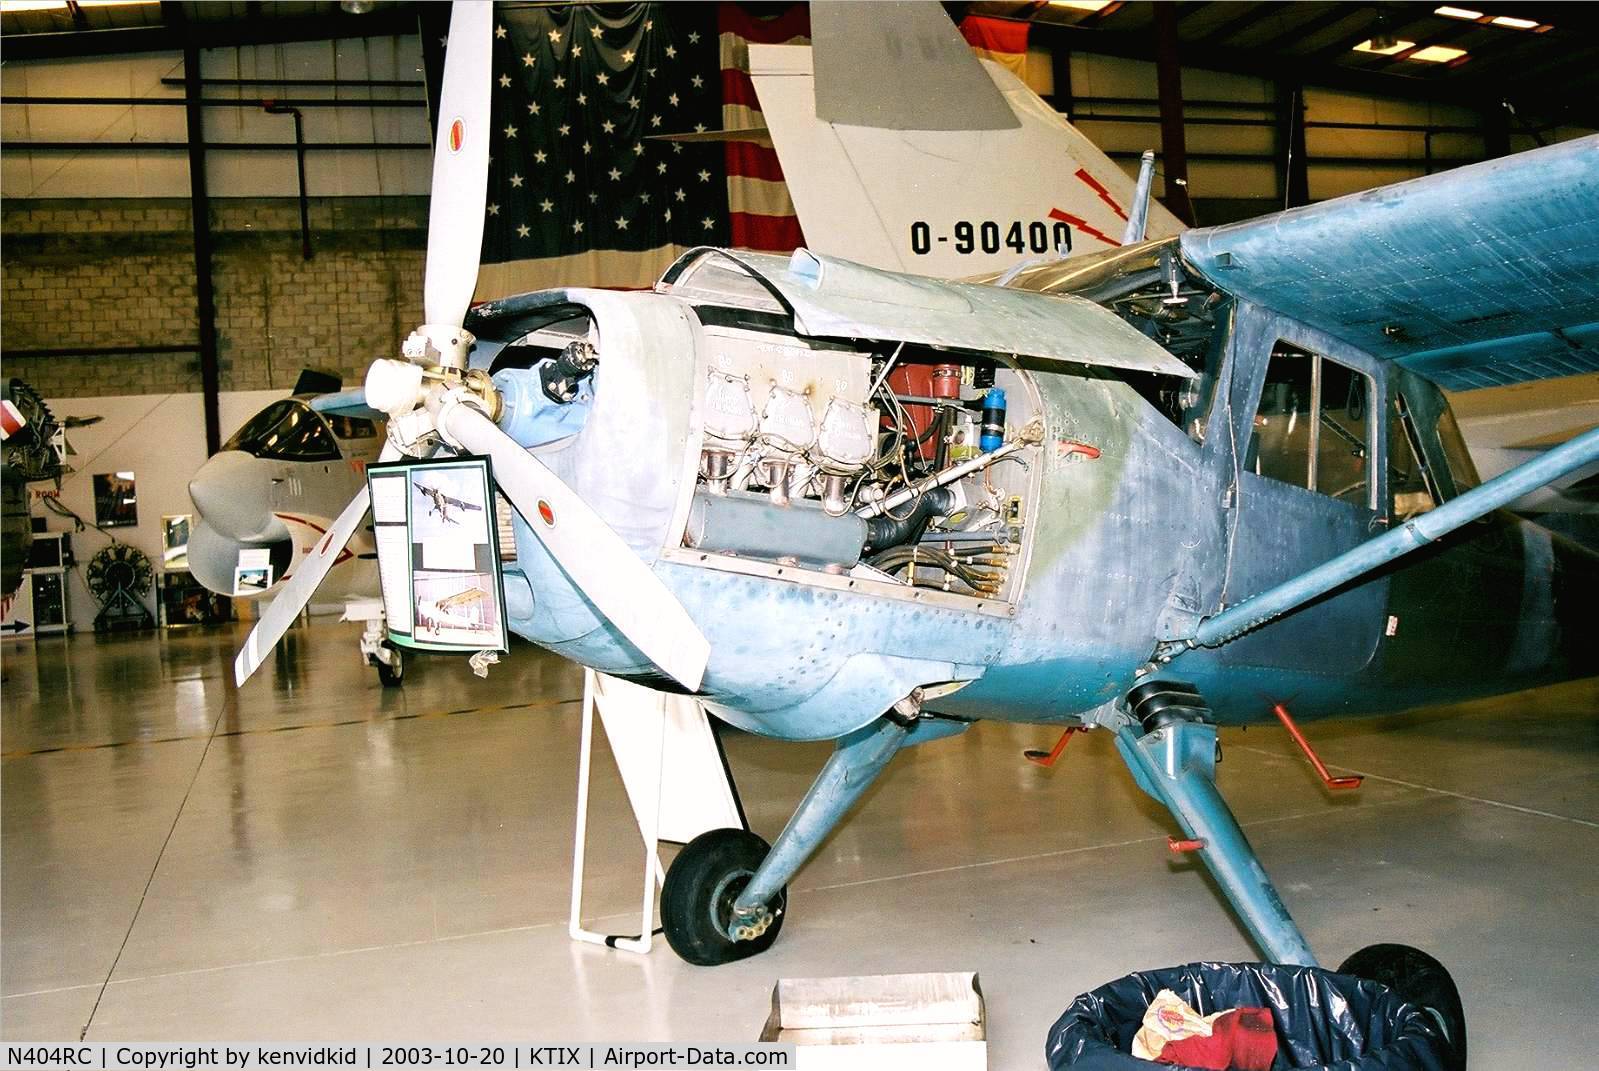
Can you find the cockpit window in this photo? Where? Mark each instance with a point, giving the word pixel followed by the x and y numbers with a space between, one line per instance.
pixel 348 427
pixel 286 431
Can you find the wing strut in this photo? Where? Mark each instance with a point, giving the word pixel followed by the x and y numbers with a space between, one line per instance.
pixel 1411 535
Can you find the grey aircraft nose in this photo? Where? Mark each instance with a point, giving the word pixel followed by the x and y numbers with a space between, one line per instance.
pixel 233 493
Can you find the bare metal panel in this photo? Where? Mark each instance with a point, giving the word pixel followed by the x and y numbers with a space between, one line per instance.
pixel 836 298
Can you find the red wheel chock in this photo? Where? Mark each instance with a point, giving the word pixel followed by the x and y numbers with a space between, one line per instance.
pixel 1039 757
pixel 1334 783
pixel 1183 847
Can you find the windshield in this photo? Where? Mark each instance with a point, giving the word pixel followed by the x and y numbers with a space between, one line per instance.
pixel 286 431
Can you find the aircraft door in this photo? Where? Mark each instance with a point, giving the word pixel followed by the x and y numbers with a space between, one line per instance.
pixel 1307 487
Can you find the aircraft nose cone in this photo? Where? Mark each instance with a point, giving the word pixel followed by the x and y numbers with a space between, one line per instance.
pixel 232 492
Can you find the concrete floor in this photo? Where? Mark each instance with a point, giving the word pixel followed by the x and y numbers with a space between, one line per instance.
pixel 318 858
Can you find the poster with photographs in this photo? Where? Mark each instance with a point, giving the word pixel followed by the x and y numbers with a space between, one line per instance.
pixel 438 554
pixel 116 503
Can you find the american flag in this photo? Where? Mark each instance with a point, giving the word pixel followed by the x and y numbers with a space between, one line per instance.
pixel 579 192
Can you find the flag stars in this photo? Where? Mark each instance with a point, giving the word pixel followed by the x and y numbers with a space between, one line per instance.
pixel 699 128
pixel 582 98
pixel 644 198
pixel 594 32
pixel 577 226
pixel 510 131
pixel 523 230
pixel 649 24
pixel 505 81
pixel 705 176
pixel 516 182
pixel 499 32
pixel 616 174
pixel 668 216
pixel 671 52
pixel 693 38
pixel 638 148
pixel 674 98
pixel 555 37
pixel 677 146
pixel 539 156
pixel 679 194
pixel 565 129
pixel 571 177
pixel 632 102
pixel 494 210
pixel 533 108
pixel 621 223
pixel 707 223
pixel 697 82
pixel 603 79
pixel 660 168
pixel 608 126
pixel 547 205
pixel 594 198
pixel 628 56
pixel 587 148
pixel 528 59
pixel 560 81
pixel 655 120
pixel 577 50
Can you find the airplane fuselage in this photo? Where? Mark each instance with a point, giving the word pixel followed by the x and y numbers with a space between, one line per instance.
pixel 1130 525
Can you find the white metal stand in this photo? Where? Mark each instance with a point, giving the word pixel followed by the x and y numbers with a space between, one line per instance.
pixel 676 784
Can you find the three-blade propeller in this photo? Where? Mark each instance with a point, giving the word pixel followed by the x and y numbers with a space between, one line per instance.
pixel 597 560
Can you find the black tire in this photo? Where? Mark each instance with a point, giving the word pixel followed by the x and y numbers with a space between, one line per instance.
pixel 1419 979
pixel 392 673
pixel 697 897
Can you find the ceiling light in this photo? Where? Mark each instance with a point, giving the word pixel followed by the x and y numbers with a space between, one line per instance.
pixel 1384 47
pixel 1515 23
pixel 1437 54
pixel 1081 5
pixel 356 7
pixel 1457 13
pixel 8 6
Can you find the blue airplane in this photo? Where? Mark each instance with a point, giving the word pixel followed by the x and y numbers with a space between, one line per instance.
pixel 1197 481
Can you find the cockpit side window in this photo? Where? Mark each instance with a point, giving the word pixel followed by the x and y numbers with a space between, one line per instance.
pixel 348 427
pixel 286 431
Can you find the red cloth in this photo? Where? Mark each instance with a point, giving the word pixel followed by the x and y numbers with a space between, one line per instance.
pixel 1243 1039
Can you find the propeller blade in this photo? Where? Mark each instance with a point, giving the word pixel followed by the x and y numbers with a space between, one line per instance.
pixel 598 560
pixel 460 165
pixel 296 593
pixel 307 577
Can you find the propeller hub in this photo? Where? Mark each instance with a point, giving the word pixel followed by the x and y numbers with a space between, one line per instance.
pixel 444 345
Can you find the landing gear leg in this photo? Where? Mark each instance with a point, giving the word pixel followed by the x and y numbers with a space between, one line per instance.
pixel 376 650
pixel 1175 763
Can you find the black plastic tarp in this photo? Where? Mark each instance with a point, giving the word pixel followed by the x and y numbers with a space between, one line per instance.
pixel 1324 1020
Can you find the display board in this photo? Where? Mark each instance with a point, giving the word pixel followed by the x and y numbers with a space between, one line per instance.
pixel 438 554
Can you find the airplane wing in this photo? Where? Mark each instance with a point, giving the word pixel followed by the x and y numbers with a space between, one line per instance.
pixel 458 504
pixel 1482 276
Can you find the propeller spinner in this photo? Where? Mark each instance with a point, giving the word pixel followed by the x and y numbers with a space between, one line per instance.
pixel 432 398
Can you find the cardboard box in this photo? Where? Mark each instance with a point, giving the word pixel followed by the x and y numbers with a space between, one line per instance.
pixel 930 1022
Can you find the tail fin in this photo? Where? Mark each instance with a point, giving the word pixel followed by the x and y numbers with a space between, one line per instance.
pixel 878 176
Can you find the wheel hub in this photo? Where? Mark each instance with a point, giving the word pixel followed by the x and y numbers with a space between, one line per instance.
pixel 736 926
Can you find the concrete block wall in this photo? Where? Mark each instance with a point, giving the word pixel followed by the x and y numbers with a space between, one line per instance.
pixel 119 272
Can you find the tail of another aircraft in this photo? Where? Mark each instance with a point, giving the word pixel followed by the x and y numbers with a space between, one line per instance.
pixel 903 150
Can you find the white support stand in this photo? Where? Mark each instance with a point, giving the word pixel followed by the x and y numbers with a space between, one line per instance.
pixel 676 783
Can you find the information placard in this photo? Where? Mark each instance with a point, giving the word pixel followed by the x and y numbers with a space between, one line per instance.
pixel 438 554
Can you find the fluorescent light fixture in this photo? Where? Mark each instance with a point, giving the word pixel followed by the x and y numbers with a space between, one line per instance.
pixel 1387 50
pixel 1081 5
pixel 1515 23
pixel 1457 13
pixel 1437 54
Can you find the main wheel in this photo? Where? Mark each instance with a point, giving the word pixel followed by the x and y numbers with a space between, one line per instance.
pixel 392 672
pixel 697 897
pixel 1419 979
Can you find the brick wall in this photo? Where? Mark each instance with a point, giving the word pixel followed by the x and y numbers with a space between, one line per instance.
pixel 120 273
